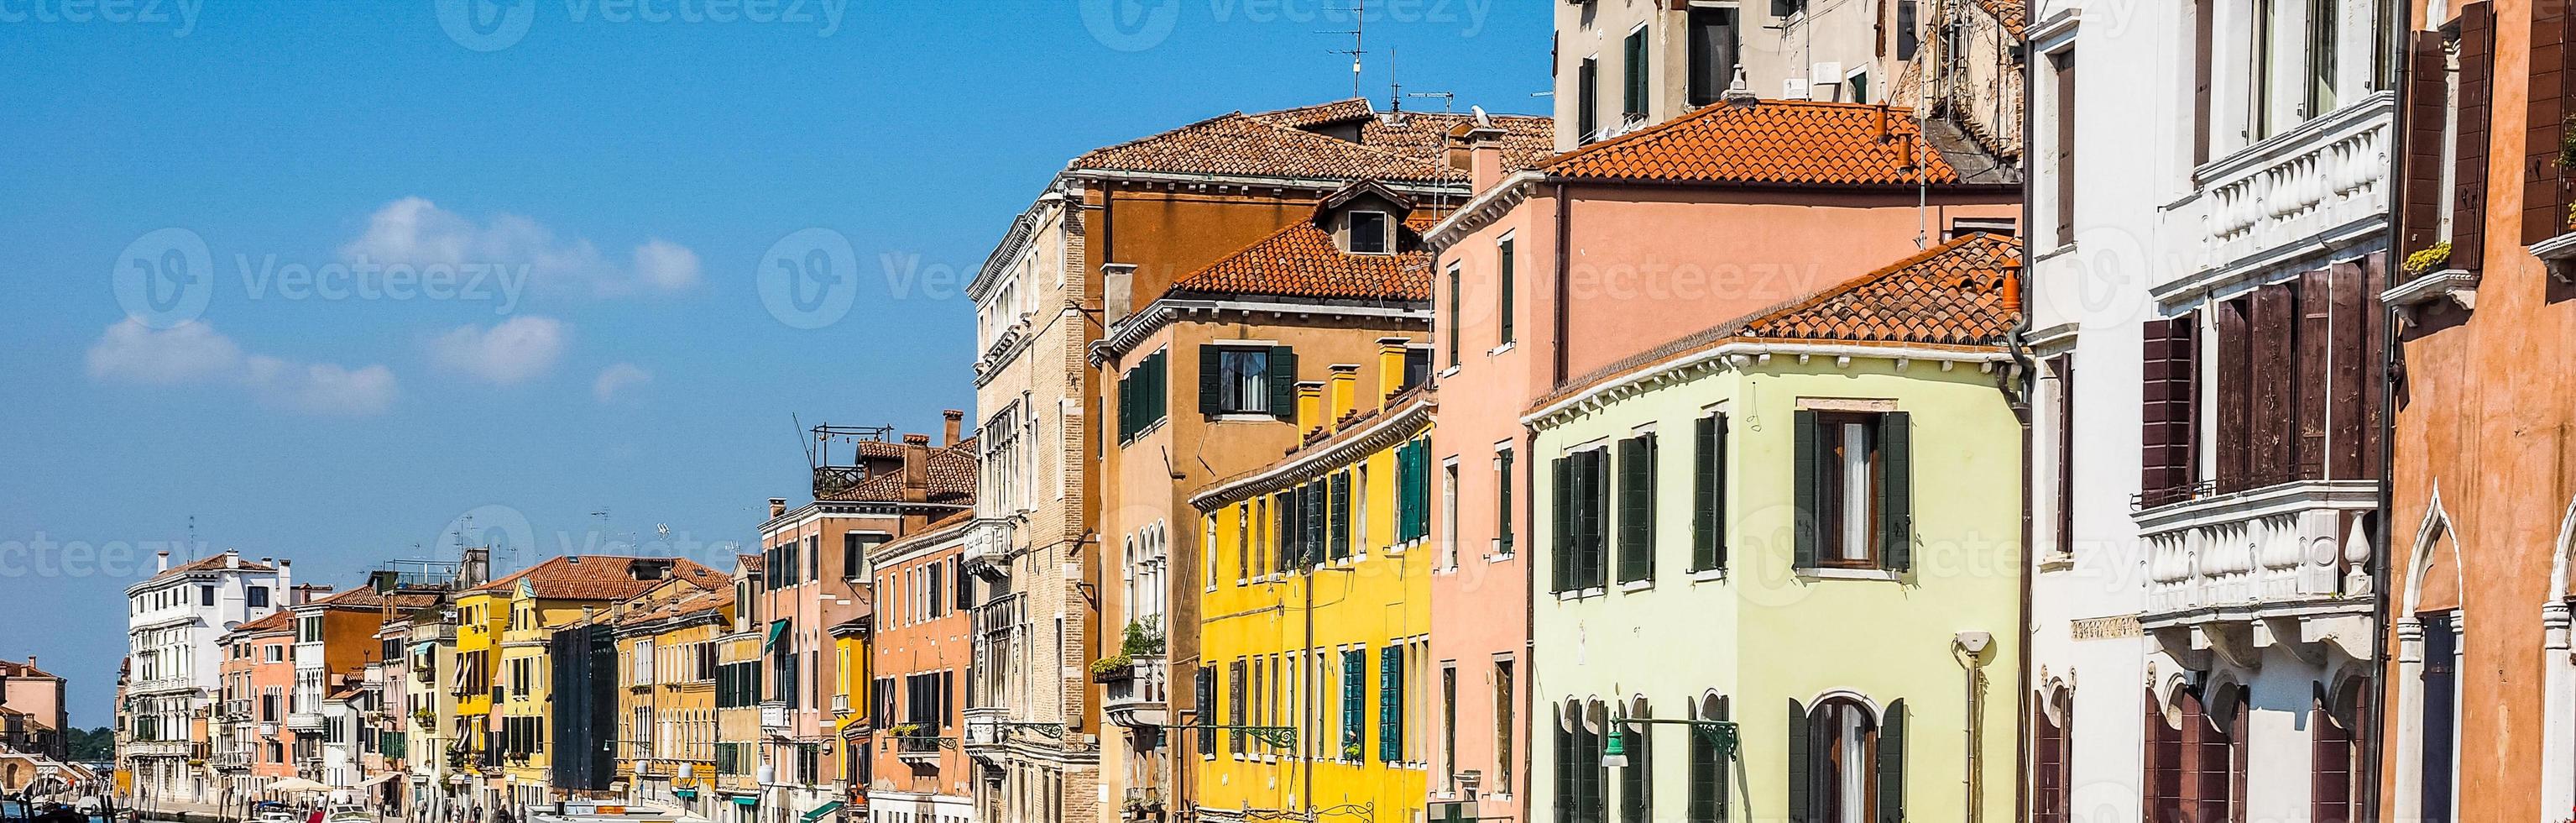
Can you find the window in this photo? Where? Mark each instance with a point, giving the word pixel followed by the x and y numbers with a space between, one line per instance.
pixel 1908 30
pixel 1709 781
pixel 2051 777
pixel 1234 683
pixel 1637 508
pixel 1708 493
pixel 1457 307
pixel 1637 779
pixel 1390 704
pixel 1506 722
pixel 2433 721
pixel 1449 727
pixel 1141 396
pixel 2258 114
pixel 1506 291
pixel 1340 515
pixel 205 595
pixel 1354 692
pixel 1370 232
pixel 1578 767
pixel 1580 507
pixel 1714 42
pixel 1413 490
pixel 1632 64
pixel 257 597
pixel 1207 711
pixel 1587 100
pixel 1417 367
pixel 2323 20
pixel 1242 545
pixel 2334 760
pixel 1845 765
pixel 1448 516
pixel 2063 368
pixel 1854 488
pixel 2061 66
pixel 1503 480
pixel 1239 379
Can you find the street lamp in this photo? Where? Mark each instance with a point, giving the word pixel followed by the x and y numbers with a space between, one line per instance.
pixel 1614 751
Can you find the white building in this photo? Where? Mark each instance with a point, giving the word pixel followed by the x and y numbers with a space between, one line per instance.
pixel 173 620
pixel 2208 230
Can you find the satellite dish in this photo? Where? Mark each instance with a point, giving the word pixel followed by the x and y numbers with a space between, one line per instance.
pixel 230 625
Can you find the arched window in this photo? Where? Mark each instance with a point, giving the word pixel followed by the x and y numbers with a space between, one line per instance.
pixel 1709 779
pixel 1578 762
pixel 2332 759
pixel 1846 764
pixel 1637 779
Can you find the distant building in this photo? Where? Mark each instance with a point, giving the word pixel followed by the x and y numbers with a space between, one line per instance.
pixel 174 666
pixel 34 717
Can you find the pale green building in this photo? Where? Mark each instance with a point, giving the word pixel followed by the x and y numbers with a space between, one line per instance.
pixel 1804 523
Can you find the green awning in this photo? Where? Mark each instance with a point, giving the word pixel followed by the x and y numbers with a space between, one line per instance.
pixel 685 794
pixel 776 628
pixel 746 800
pixel 821 811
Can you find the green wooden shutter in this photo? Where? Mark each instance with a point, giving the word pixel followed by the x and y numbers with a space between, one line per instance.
pixel 1800 780
pixel 1404 492
pixel 1318 526
pixel 1211 379
pixel 1704 468
pixel 1896 493
pixel 1560 554
pixel 1341 515
pixel 1725 770
pixel 1283 382
pixel 1390 704
pixel 1703 779
pixel 1590 506
pixel 1421 499
pixel 1891 763
pixel 1564 766
pixel 1809 486
pixel 1633 505
pixel 1284 550
pixel 1354 688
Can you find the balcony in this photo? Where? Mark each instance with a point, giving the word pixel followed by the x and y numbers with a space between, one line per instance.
pixel 921 749
pixel 840 705
pixel 773 715
pixel 2282 566
pixel 2325 180
pixel 230 761
pixel 302 721
pixel 164 748
pixel 1137 696
pixel 988 543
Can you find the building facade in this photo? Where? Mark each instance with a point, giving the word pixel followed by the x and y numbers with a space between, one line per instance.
pixel 921 664
pixel 2480 690
pixel 174 667
pixel 2209 230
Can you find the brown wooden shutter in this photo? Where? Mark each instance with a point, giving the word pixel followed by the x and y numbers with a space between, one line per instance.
pixel 2477 110
pixel 2428 94
pixel 2374 337
pixel 2275 425
pixel 2166 410
pixel 2163 765
pixel 2064 367
pixel 2544 184
pixel 2348 386
pixel 2329 767
pixel 2314 297
pixel 2234 424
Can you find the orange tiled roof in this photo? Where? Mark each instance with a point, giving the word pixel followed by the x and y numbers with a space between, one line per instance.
pixel 952 478
pixel 13 668
pixel 280 620
pixel 1302 260
pixel 1776 142
pixel 2010 13
pixel 1952 294
pixel 697 603
pixel 216 562
pixel 365 597
pixel 751 562
pixel 1289 143
pixel 600 577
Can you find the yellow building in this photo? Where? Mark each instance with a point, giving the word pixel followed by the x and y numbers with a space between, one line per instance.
pixel 481 614
pixel 530 605
pixel 1315 618
pixel 852 724
pixel 666 720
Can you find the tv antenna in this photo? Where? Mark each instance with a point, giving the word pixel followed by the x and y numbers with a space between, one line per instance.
pixel 1359 35
pixel 1448 99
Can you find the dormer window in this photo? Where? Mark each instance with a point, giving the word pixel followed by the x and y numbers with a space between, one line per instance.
pixel 1369 233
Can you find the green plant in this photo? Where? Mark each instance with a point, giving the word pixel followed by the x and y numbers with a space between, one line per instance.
pixel 1350 751
pixel 905 730
pixel 2432 257
pixel 1144 637
pixel 2567 143
pixel 1113 664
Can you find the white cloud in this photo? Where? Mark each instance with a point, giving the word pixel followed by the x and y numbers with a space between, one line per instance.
pixel 515 351
pixel 193 352
pixel 416 231
pixel 617 378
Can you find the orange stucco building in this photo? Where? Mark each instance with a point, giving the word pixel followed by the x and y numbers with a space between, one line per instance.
pixel 2480 693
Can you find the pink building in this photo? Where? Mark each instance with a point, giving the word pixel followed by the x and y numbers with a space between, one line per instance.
pixel 33 719
pixel 258 671
pixel 1606 252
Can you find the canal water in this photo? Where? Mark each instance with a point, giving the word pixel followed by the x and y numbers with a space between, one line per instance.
pixel 12 810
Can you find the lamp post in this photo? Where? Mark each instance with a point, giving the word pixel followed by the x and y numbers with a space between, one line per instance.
pixel 1614 751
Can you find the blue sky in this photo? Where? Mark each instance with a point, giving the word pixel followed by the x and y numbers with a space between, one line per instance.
pixel 633 176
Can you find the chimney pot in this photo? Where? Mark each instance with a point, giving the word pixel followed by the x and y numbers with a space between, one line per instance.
pixel 164 562
pixel 916 440
pixel 777 506
pixel 956 418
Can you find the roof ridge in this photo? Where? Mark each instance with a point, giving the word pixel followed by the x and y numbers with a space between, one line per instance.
pixel 1796 304
pixel 1436 169
pixel 1158 135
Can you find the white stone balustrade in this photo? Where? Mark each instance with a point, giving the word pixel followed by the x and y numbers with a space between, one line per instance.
pixel 2326 178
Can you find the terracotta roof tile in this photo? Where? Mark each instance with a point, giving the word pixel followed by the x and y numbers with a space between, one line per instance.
pixel 751 562
pixel 699 603
pixel 600 577
pixel 213 563
pixel 952 478
pixel 1951 295
pixel 2010 13
pixel 14 668
pixel 1283 144
pixel 364 597
pixel 1302 260
pixel 1776 142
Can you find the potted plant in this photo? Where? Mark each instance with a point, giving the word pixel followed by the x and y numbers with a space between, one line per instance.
pixel 1113 667
pixel 1144 637
pixel 2427 260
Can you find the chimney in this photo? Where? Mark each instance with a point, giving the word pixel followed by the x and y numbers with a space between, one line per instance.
pixel 1390 365
pixel 1485 146
pixel 1310 405
pixel 476 568
pixel 1458 149
pixel 955 418
pixel 164 562
pixel 1343 397
pixel 1117 284
pixel 2012 287
pixel 777 507
pixel 285 573
pixel 916 468
pixel 232 560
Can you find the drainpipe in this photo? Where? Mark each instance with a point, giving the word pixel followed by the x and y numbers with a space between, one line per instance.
pixel 2373 728
pixel 2018 338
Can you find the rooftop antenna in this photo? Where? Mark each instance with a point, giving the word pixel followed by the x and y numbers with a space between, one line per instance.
pixel 1448 99
pixel 1358 33
pixel 192 535
pixel 1395 87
